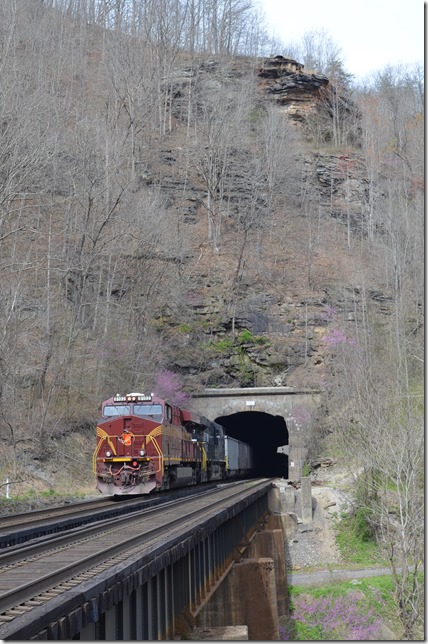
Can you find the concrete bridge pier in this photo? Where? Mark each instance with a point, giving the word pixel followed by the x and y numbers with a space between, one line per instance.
pixel 247 596
pixel 254 592
pixel 270 543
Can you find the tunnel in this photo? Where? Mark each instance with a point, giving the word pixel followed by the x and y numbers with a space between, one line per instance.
pixel 265 433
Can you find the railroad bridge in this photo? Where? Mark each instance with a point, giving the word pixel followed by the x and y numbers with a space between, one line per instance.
pixel 226 569
pixel 278 421
pixel 221 564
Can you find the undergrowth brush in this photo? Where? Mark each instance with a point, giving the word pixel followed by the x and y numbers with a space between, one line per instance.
pixel 346 610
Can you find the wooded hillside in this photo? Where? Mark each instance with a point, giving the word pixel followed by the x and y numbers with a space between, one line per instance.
pixel 179 198
pixel 169 203
pixel 170 199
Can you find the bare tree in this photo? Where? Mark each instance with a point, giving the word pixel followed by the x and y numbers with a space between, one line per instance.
pixel 377 399
pixel 386 437
pixel 219 125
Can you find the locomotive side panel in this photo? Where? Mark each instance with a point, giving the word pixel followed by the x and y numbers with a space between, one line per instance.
pixel 182 458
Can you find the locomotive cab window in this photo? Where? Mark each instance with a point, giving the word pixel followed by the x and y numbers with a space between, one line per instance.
pixel 168 413
pixel 117 410
pixel 154 412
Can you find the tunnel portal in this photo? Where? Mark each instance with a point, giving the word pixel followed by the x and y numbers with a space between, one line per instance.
pixel 269 418
pixel 265 433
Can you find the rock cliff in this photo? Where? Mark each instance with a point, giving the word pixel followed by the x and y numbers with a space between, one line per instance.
pixel 267 326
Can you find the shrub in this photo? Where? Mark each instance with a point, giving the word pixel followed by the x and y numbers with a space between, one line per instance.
pixel 168 385
pixel 225 344
pixel 334 618
pixel 306 469
pixel 185 328
pixel 362 526
pixel 245 336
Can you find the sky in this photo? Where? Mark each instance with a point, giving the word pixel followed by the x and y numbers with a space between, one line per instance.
pixel 371 33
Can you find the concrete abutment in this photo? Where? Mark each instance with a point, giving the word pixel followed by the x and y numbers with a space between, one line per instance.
pixel 255 591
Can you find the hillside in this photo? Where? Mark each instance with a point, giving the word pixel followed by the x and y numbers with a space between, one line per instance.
pixel 184 206
pixel 233 219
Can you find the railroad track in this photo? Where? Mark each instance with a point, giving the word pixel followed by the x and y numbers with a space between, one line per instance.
pixel 23 518
pixel 16 529
pixel 39 572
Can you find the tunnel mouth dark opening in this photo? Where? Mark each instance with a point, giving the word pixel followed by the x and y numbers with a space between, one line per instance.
pixel 265 433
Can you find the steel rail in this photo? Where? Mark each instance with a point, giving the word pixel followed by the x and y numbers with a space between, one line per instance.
pixel 54 542
pixel 17 529
pixel 34 516
pixel 199 506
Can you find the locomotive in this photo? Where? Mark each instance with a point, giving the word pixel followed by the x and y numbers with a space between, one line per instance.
pixel 145 444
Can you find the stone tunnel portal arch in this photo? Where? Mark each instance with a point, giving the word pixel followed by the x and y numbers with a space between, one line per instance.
pixel 265 432
pixel 270 418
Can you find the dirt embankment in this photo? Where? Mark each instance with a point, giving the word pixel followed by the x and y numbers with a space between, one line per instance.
pixel 314 545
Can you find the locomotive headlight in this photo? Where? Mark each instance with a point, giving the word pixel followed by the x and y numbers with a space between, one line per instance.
pixel 142 452
pixel 108 454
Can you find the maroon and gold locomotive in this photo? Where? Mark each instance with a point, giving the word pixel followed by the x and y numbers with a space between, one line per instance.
pixel 145 444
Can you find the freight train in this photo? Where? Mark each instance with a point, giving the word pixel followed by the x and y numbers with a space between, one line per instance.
pixel 145 444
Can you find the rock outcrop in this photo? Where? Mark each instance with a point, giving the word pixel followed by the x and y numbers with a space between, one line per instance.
pixel 284 80
pixel 309 99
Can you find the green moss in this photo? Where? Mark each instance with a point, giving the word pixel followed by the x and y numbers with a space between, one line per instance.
pixel 246 375
pixel 185 328
pixel 246 337
pixel 225 344
pixel 50 492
